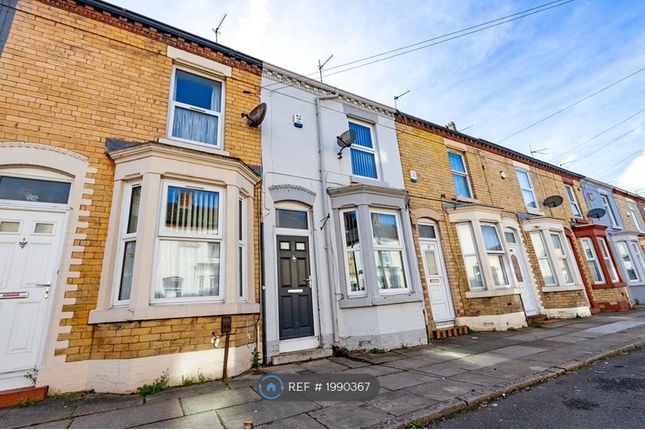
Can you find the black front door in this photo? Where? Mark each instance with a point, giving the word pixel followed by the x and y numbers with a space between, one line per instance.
pixel 294 283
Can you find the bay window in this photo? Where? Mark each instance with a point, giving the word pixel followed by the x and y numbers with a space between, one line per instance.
pixel 555 257
pixel 241 247
pixel 469 253
pixel 592 261
pixel 388 250
pixel 609 262
pixel 495 253
pixel 128 243
pixel 196 108
pixel 628 261
pixel 353 252
pixel 189 246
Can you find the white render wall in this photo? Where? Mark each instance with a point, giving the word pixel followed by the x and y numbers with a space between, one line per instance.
pixel 290 157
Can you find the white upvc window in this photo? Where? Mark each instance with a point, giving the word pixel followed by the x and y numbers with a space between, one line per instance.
pixel 604 198
pixel 459 174
pixel 575 207
pixel 495 253
pixel 128 243
pixel 196 108
pixel 609 262
pixel 241 247
pixel 543 259
pixel 189 256
pixel 527 189
pixel 592 261
pixel 388 250
pixel 470 255
pixel 633 213
pixel 555 257
pixel 352 244
pixel 363 150
pixel 628 261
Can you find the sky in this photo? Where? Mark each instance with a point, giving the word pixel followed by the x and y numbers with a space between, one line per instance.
pixel 492 83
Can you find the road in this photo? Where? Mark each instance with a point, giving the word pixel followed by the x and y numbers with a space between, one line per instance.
pixel 608 394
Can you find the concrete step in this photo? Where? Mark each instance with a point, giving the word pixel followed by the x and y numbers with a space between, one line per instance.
pixel 304 355
pixel 442 333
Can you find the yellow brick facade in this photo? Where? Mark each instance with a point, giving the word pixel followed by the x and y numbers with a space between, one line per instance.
pixel 494 183
pixel 71 77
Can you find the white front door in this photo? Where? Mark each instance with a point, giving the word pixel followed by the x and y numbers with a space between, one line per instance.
pixel 443 312
pixel 30 243
pixel 520 271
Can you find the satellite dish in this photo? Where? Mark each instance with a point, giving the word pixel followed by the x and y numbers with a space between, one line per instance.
pixel 345 140
pixel 596 213
pixel 256 116
pixel 553 201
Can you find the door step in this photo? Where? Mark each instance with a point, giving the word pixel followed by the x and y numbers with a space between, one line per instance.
pixel 304 355
pixel 442 333
pixel 10 398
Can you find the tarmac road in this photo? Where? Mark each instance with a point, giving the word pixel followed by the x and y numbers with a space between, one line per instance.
pixel 608 394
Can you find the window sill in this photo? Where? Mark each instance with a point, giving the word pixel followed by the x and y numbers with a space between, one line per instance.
pixel 533 211
pixel 155 312
pixel 196 146
pixel 560 289
pixel 466 200
pixel 608 285
pixel 368 181
pixel 388 299
pixel 492 293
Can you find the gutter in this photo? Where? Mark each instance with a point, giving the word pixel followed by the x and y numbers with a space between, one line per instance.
pixel 325 207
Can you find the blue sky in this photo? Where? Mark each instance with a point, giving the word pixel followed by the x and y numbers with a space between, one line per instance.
pixel 491 84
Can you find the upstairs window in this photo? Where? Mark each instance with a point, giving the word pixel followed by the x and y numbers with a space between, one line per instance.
pixel 196 109
pixel 610 213
pixel 527 189
pixel 573 201
pixel 633 213
pixel 363 151
pixel 459 174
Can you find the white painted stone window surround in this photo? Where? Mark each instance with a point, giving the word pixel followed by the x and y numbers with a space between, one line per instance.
pixel 496 279
pixel 205 69
pixel 554 254
pixel 156 168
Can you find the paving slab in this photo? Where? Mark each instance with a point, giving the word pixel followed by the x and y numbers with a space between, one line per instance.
pixel 263 412
pixel 60 424
pixel 324 366
pixel 130 417
pixel 479 361
pixel 348 362
pixel 400 402
pixel 286 368
pixel 442 369
pixel 106 402
pixel 478 379
pixel 615 327
pixel 567 339
pixel 444 389
pixel 203 420
pixel 377 358
pixel 516 351
pixel 350 415
pixel 396 381
pixel 374 370
pixel 302 421
pixel 45 411
pixel 190 390
pixel 219 400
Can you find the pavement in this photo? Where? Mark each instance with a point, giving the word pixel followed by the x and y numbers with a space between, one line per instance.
pixel 607 394
pixel 418 384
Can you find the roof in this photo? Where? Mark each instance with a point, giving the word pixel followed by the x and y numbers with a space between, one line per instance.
pixel 102 6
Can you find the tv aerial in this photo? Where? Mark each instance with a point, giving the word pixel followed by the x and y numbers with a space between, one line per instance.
pixel 320 66
pixel 398 97
pixel 216 30
pixel 345 140
pixel 256 116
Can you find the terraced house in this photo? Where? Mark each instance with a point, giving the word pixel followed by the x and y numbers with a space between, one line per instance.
pixel 492 229
pixel 129 200
pixel 621 227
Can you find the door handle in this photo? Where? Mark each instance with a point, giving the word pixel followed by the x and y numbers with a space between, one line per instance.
pixel 308 281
